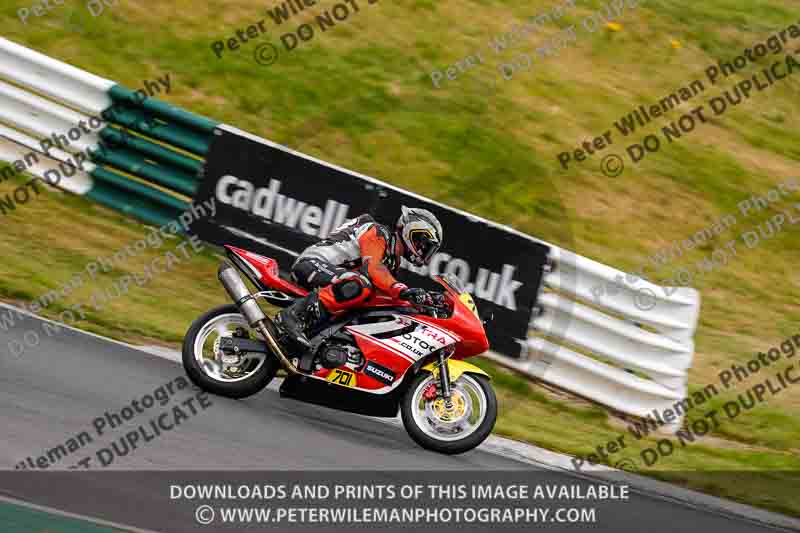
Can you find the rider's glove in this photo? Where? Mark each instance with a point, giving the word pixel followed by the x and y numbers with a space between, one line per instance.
pixel 417 296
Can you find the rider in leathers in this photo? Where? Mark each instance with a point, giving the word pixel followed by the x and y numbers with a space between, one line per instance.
pixel 358 257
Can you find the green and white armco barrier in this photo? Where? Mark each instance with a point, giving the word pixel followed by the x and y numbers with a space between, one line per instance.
pixel 145 154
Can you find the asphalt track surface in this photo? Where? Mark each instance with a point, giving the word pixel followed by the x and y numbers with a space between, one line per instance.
pixel 54 390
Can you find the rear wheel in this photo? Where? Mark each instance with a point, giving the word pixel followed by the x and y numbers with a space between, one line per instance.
pixel 452 429
pixel 233 376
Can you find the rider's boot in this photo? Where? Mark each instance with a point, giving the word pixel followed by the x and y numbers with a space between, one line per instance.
pixel 303 315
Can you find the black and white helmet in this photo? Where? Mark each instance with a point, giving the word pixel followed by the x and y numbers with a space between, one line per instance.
pixel 421 234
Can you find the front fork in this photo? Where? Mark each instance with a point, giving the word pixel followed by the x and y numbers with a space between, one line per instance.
pixel 444 379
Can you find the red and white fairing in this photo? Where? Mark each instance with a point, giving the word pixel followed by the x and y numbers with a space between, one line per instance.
pixel 415 340
pixel 390 347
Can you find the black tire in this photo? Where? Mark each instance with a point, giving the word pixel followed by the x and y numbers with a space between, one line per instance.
pixel 238 389
pixel 449 447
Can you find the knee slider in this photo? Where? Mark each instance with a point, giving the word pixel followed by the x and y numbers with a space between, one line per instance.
pixel 303 270
pixel 351 288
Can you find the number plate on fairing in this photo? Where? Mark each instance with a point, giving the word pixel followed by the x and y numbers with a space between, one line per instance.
pixel 342 377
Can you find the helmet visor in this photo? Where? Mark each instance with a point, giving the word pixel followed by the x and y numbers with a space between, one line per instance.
pixel 424 244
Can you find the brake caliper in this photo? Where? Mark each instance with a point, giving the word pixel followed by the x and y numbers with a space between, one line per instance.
pixel 430 392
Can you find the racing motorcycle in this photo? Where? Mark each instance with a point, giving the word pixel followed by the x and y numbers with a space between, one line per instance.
pixel 388 355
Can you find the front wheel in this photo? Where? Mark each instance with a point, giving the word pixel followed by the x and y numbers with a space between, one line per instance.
pixel 452 429
pixel 233 376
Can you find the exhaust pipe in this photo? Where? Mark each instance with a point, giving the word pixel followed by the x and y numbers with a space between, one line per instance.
pixel 246 302
pixel 239 293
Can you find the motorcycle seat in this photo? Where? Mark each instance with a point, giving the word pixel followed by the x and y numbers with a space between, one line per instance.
pixel 268 272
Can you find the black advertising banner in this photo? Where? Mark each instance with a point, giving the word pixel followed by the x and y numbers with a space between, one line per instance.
pixel 276 202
